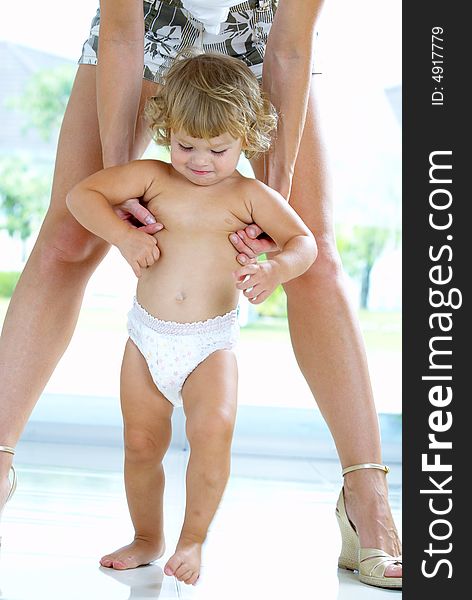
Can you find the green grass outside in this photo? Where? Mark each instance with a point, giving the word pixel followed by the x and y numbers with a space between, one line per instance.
pixel 3 307
pixel 381 330
pixel 8 281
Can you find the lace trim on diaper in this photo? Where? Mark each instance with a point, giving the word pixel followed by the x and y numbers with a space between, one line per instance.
pixel 217 323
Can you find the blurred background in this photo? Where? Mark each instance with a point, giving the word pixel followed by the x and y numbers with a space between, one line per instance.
pixel 70 456
pixel 359 55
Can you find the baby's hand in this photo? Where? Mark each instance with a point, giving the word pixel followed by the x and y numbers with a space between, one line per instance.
pixel 140 249
pixel 258 280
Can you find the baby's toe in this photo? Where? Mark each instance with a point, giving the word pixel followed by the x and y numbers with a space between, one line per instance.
pixel 186 576
pixel 122 564
pixel 172 565
pixel 182 572
pixel 106 561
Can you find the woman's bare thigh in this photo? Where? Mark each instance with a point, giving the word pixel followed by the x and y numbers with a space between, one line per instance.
pixel 79 152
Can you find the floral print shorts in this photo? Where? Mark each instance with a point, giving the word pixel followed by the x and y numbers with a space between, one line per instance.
pixel 170 28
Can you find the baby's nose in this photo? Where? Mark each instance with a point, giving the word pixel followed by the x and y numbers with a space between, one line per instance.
pixel 200 160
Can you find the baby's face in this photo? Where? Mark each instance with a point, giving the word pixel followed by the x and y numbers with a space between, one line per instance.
pixel 204 162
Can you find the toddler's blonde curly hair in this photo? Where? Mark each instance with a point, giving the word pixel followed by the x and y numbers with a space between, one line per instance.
pixel 207 95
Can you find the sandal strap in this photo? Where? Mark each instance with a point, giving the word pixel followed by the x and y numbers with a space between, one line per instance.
pixel 13 484
pixel 366 466
pixel 10 450
pixel 373 562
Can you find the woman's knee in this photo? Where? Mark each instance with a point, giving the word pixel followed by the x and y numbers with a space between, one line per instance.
pixel 66 242
pixel 324 274
pixel 144 446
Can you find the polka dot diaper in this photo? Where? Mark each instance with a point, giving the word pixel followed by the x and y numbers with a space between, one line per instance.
pixel 173 350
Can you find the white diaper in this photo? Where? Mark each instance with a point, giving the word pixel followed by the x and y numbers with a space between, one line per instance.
pixel 173 350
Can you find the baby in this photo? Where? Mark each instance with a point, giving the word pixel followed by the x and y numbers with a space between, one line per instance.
pixel 183 324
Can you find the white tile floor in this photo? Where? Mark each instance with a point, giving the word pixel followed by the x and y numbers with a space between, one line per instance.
pixel 274 537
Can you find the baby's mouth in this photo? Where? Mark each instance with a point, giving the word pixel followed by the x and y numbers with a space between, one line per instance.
pixel 199 172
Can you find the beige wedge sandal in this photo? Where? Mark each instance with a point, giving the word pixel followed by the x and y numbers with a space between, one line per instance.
pixel 13 481
pixel 371 563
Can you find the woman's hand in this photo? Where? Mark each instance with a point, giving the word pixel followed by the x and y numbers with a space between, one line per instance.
pixel 258 280
pixel 249 245
pixel 133 210
pixel 140 249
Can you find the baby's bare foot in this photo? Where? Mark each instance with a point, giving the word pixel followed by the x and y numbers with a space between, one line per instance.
pixel 184 564
pixel 139 552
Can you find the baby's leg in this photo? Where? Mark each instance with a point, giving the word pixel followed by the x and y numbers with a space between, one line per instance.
pixel 147 431
pixel 209 396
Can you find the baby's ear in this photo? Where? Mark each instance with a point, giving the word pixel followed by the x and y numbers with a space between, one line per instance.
pixel 247 153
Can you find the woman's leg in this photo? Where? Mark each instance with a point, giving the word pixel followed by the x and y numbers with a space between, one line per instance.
pixel 44 309
pixel 147 426
pixel 329 348
pixel 210 396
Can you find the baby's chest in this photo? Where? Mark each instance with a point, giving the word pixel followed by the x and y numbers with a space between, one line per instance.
pixel 197 215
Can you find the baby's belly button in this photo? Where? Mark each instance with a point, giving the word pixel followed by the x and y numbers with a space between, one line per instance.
pixel 180 296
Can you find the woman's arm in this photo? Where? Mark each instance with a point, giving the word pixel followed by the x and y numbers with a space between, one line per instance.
pixel 119 83
pixel 286 79
pixel 119 77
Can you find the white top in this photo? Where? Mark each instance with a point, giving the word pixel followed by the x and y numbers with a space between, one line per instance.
pixel 210 12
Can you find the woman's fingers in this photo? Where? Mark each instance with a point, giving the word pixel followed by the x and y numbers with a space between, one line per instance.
pixel 253 231
pixel 139 212
pixel 241 246
pixel 152 228
pixel 133 208
pixel 248 246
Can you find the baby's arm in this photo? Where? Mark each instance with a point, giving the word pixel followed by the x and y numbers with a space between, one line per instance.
pixel 298 247
pixel 91 201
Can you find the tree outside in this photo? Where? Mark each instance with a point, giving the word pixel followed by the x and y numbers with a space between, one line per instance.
pixel 25 183
pixel 45 98
pixel 24 195
pixel 360 247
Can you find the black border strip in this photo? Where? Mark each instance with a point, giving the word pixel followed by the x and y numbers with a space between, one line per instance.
pixel 437 241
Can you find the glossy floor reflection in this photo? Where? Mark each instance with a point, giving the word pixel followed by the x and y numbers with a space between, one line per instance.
pixel 275 535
